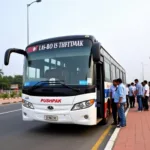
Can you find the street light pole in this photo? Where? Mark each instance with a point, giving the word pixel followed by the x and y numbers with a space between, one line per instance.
pixel 28 5
pixel 28 24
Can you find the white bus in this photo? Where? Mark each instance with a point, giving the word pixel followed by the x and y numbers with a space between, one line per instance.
pixel 66 80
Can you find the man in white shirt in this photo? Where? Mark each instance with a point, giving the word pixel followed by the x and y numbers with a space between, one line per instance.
pixel 149 91
pixel 132 89
pixel 113 104
pixel 146 95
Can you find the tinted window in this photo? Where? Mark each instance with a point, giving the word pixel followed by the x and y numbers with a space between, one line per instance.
pixel 117 73
pixel 124 77
pixel 113 72
pixel 107 71
pixel 121 75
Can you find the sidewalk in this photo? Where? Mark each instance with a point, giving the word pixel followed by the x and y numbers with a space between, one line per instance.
pixel 136 135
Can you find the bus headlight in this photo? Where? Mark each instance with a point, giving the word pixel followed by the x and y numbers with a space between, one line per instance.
pixel 27 104
pixel 83 105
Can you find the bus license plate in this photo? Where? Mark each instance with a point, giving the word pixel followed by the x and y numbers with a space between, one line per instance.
pixel 51 118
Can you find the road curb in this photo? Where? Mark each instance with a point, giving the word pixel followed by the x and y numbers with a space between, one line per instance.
pixel 112 139
pixel 10 101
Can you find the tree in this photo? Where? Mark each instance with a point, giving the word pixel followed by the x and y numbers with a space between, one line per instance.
pixel 6 81
pixel 18 80
pixel 1 72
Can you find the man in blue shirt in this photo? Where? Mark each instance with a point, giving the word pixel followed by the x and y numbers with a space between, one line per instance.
pixel 120 100
pixel 112 91
pixel 139 94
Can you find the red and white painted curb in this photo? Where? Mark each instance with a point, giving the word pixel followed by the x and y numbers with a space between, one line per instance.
pixel 10 100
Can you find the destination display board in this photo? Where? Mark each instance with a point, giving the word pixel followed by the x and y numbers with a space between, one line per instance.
pixel 59 45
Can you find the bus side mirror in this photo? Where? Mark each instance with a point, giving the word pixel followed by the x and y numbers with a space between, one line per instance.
pixel 13 50
pixel 96 52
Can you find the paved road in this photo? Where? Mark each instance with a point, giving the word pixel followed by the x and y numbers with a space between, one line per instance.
pixel 10 107
pixel 18 135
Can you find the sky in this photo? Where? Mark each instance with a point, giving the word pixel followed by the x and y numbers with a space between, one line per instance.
pixel 121 26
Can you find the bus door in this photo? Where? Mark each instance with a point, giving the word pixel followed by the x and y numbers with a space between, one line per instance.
pixel 100 88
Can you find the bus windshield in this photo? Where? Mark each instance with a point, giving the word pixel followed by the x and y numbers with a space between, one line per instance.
pixel 71 65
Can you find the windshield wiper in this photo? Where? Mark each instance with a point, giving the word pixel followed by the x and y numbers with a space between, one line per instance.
pixel 41 83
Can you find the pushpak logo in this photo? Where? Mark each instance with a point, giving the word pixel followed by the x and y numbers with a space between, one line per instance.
pixel 51 100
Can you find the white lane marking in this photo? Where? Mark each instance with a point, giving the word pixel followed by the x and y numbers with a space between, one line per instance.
pixel 10 111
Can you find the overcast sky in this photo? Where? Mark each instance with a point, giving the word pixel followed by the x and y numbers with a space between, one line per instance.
pixel 122 27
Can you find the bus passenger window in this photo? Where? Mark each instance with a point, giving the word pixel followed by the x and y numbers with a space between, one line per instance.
pixel 121 76
pixel 117 73
pixel 107 71
pixel 113 72
pixel 124 78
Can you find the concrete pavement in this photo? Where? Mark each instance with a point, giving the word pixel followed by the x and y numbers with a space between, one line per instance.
pixel 18 135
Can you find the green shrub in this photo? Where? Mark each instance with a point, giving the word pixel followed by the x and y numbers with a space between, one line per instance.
pixel 4 95
pixel 13 94
pixel 20 94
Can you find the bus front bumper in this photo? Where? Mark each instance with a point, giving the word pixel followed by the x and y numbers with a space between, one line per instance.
pixel 82 117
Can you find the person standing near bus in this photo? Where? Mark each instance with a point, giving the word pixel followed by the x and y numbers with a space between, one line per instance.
pixel 127 95
pixel 131 95
pixel 143 95
pixel 139 95
pixel 113 104
pixel 149 91
pixel 120 100
pixel 146 95
pixel 134 96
